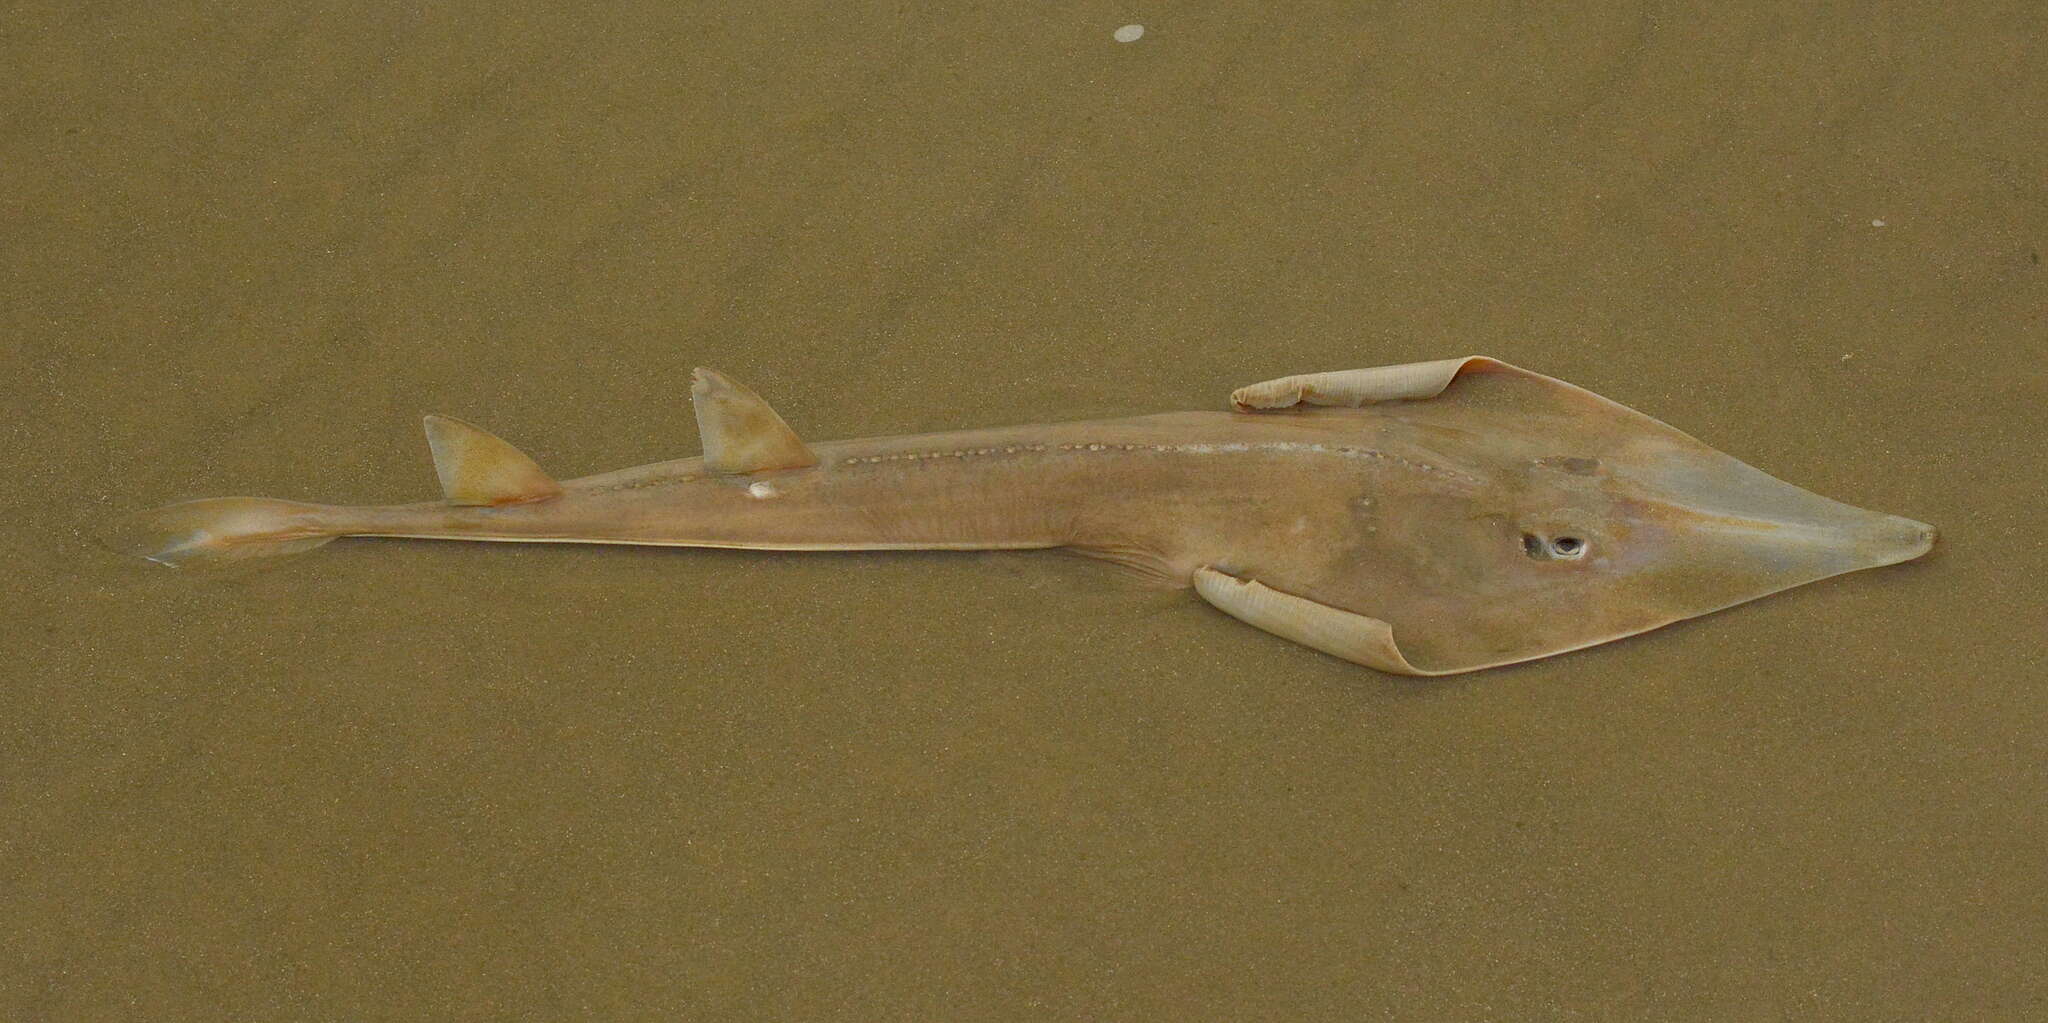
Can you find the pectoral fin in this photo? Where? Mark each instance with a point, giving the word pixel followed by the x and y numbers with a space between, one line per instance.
pixel 477 468
pixel 741 433
pixel 1353 637
pixel 1355 387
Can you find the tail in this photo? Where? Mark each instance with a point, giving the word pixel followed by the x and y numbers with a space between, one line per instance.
pixel 220 531
pixel 741 435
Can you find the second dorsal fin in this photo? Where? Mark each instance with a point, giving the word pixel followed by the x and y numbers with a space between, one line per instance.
pixel 477 468
pixel 741 433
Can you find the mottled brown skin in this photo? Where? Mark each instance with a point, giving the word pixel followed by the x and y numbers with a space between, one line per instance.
pixel 1441 517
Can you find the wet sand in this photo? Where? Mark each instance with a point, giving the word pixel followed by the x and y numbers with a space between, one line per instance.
pixel 246 247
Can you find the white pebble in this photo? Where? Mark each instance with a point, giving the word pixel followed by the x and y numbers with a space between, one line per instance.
pixel 1130 33
pixel 1877 223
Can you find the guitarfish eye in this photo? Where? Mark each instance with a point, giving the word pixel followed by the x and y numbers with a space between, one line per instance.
pixel 1559 548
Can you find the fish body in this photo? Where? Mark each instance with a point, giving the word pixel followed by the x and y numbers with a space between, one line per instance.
pixel 1480 513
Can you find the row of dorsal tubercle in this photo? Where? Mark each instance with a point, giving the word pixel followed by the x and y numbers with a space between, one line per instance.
pixel 741 435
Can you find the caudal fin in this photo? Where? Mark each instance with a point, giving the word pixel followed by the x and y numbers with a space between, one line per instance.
pixel 219 531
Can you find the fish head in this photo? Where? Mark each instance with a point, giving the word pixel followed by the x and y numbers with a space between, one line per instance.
pixel 1662 530
pixel 1597 522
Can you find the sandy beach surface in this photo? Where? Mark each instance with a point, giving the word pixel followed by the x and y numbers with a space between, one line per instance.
pixel 246 246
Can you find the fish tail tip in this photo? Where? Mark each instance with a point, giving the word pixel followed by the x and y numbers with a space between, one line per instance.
pixel 215 532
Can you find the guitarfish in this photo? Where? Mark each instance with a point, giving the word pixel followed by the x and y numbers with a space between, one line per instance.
pixel 1421 519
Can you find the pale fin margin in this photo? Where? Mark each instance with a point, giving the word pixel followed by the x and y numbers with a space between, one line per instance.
pixel 742 434
pixel 1355 387
pixel 1353 637
pixel 477 468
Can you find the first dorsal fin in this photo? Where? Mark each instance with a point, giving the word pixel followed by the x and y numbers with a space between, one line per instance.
pixel 741 433
pixel 477 468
